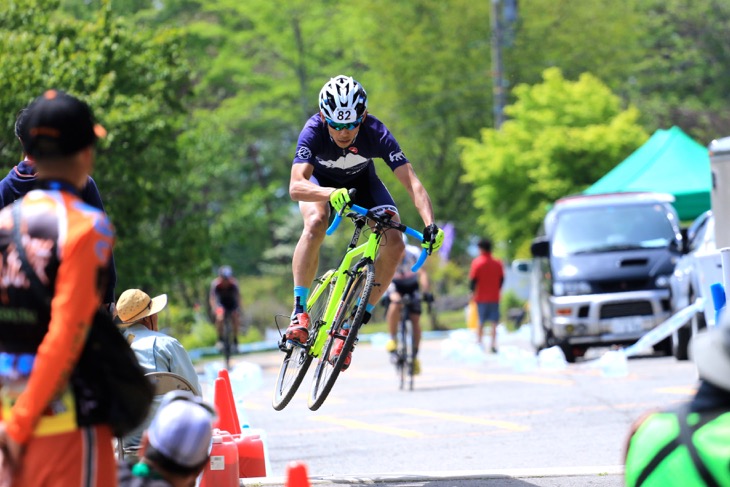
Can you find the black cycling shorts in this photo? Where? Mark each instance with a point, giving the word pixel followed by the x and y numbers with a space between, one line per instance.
pixel 409 286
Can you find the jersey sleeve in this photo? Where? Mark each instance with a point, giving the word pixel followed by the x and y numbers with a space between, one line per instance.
pixel 90 194
pixel 84 255
pixel 7 195
pixel 308 144
pixel 389 149
pixel 213 294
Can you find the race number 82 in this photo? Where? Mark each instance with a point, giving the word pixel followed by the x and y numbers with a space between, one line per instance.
pixel 343 115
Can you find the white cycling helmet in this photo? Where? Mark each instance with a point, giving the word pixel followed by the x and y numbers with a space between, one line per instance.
pixel 343 100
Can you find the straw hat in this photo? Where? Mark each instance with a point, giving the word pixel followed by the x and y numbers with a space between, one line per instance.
pixel 134 304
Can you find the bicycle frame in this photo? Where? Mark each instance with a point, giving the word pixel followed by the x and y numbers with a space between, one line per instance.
pixel 350 282
pixel 367 252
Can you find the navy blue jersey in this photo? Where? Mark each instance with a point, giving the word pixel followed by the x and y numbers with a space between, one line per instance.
pixel 22 178
pixel 332 162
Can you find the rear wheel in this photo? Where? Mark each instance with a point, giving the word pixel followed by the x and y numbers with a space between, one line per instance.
pixel 569 352
pixel 352 309
pixel 680 342
pixel 297 359
pixel 227 339
pixel 407 379
pixel 680 339
pixel 403 362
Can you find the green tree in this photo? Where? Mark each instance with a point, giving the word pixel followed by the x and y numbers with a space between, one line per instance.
pixel 428 79
pixel 602 37
pixel 669 58
pixel 561 137
pixel 257 68
pixel 683 78
pixel 135 80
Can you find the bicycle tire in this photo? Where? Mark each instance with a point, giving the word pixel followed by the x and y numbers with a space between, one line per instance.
pixel 360 285
pixel 403 353
pixel 296 362
pixel 401 360
pixel 227 339
pixel 409 363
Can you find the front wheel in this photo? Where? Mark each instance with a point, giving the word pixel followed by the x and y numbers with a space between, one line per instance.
pixel 297 359
pixel 228 342
pixel 406 347
pixel 352 309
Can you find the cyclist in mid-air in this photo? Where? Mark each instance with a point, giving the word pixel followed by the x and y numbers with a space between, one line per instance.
pixel 225 296
pixel 407 282
pixel 335 153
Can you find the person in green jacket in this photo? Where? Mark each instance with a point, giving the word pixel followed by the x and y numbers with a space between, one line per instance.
pixel 689 445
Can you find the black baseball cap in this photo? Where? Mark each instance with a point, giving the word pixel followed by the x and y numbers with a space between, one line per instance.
pixel 57 124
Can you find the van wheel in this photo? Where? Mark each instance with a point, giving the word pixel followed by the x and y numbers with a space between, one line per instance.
pixel 569 352
pixel 664 347
pixel 680 349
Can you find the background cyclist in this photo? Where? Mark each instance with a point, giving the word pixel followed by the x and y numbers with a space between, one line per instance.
pixel 335 152
pixel 225 296
pixel 407 282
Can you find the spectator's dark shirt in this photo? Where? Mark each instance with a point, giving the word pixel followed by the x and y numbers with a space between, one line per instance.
pixel 710 398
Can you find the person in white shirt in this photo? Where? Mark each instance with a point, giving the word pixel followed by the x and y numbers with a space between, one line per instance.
pixel 155 351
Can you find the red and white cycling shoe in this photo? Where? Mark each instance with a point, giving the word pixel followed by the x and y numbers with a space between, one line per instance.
pixel 337 350
pixel 298 330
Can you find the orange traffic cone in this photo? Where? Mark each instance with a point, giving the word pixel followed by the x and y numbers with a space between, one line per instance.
pixel 223 405
pixel 223 373
pixel 296 475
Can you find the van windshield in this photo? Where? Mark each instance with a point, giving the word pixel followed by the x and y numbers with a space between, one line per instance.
pixel 602 229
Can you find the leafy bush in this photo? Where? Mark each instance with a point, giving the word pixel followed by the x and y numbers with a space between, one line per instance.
pixel 202 335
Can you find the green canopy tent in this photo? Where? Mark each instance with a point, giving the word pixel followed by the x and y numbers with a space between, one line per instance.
pixel 669 162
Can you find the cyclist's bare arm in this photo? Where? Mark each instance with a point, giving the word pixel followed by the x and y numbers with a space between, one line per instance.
pixel 239 301
pixel 302 189
pixel 407 177
pixel 212 297
pixel 423 281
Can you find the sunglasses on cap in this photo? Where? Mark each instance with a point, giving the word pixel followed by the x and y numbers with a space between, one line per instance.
pixel 343 126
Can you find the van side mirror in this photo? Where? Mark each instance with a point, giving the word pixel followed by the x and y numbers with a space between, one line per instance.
pixel 684 247
pixel 540 247
pixel 522 266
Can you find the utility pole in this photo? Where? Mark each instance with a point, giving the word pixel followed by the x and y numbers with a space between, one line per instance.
pixel 497 68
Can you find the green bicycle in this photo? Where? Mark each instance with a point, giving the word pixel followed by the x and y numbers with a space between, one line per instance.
pixel 336 307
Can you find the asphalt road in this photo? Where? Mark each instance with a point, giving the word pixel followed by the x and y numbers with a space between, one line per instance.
pixel 472 419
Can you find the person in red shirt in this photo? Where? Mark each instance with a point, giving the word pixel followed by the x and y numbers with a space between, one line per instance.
pixel 486 277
